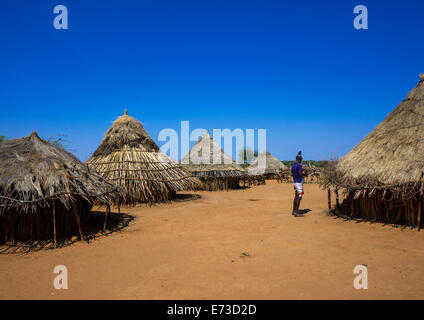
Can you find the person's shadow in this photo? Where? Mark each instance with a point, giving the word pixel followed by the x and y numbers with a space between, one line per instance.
pixel 304 211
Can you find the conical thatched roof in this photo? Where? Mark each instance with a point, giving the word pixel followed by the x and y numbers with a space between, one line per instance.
pixel 265 163
pixel 126 132
pixel 392 155
pixel 34 172
pixel 127 156
pixel 207 159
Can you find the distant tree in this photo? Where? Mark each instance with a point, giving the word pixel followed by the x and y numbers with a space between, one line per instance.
pixel 247 155
pixel 59 141
pixel 287 163
pixel 3 138
pixel 318 164
pixel 245 165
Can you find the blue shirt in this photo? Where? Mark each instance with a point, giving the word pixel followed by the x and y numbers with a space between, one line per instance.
pixel 296 169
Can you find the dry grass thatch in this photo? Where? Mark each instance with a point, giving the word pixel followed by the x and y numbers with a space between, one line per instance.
pixel 42 185
pixel 266 164
pixel 312 173
pixel 216 169
pixel 387 166
pixel 128 157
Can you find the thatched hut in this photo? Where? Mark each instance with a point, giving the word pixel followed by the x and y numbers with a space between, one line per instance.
pixel 128 157
pixel 383 175
pixel 45 190
pixel 216 169
pixel 267 165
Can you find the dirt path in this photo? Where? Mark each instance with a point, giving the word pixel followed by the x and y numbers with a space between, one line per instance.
pixel 194 250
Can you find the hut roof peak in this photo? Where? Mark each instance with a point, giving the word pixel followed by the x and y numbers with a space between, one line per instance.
pixel 34 134
pixel 126 132
pixel 207 156
pixel 206 135
pixel 265 163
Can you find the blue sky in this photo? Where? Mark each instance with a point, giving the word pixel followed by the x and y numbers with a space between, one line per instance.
pixel 296 68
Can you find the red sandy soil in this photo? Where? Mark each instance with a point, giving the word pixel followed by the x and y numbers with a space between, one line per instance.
pixel 194 250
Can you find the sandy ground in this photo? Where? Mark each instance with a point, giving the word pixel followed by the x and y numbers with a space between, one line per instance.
pixel 194 250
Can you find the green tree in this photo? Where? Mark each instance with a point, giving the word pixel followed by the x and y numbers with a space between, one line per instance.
pixel 247 155
pixel 3 138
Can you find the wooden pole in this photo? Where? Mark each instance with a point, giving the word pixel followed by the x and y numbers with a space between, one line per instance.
pixel 337 199
pixel 54 223
pixel 106 216
pixel 418 211
pixel 411 204
pixel 329 198
pixel 77 218
pixel 336 191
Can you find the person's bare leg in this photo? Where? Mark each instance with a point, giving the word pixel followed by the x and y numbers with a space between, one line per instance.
pixel 297 214
pixel 298 204
pixel 296 197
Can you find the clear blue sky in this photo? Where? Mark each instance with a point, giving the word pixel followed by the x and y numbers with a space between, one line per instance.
pixel 296 68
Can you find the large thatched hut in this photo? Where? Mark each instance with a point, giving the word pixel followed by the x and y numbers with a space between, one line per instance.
pixel 383 175
pixel 45 190
pixel 216 169
pixel 128 157
pixel 266 164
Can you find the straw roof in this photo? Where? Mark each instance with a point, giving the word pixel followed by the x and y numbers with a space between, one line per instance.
pixel 392 155
pixel 265 163
pixel 128 157
pixel 207 159
pixel 33 172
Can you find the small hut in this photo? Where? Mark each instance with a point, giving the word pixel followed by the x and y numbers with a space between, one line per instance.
pixel 45 191
pixel 383 175
pixel 267 165
pixel 216 169
pixel 128 157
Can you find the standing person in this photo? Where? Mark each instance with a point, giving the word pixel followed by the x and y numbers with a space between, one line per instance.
pixel 297 174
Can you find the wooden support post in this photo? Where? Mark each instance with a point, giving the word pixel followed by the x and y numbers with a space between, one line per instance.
pixel 336 191
pixel 329 199
pixel 419 210
pixel 54 223
pixel 337 199
pixel 106 216
pixel 77 218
